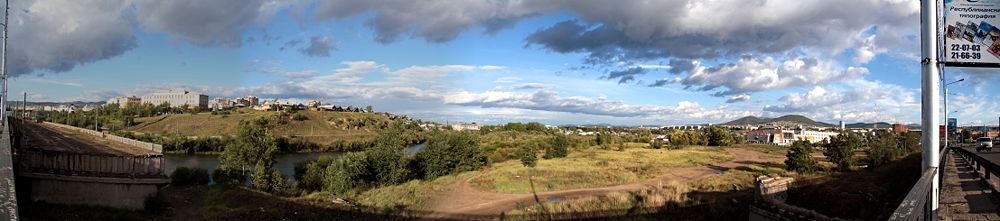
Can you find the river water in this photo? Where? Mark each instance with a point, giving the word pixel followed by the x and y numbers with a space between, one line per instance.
pixel 284 163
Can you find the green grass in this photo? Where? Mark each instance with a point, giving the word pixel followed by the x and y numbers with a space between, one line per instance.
pixel 594 168
pixel 630 204
pixel 321 127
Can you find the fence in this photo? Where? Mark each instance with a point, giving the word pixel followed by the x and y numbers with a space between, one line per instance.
pixel 915 206
pixel 140 144
pixel 91 164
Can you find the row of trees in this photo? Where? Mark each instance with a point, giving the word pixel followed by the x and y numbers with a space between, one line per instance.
pixel 711 136
pixel 881 147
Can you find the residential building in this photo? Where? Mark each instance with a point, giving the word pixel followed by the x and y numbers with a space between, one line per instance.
pixel 248 101
pixel 899 128
pixel 786 137
pixel 177 99
pixel 222 103
pixel 472 126
pixel 123 101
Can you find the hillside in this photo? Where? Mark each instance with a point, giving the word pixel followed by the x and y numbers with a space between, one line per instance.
pixel 321 127
pixel 787 119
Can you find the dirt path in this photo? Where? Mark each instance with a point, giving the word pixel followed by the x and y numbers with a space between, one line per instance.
pixel 464 201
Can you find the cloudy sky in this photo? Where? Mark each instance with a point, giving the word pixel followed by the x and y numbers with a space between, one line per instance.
pixel 494 61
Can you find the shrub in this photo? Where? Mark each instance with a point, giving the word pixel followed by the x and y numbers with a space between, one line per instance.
pixel 309 175
pixel 559 147
pixel 346 173
pixel 656 144
pixel 228 176
pixel 450 152
pixel 718 136
pixel 528 154
pixel 840 149
pixel 882 148
pixel 183 176
pixel 799 157
pixel 299 117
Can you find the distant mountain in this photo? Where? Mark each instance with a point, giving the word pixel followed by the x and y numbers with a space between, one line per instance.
pixel 788 120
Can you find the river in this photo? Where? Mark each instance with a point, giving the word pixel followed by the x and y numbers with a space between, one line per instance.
pixel 284 163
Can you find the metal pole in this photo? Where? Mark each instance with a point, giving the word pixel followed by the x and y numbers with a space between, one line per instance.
pixel 930 83
pixel 3 65
pixel 947 122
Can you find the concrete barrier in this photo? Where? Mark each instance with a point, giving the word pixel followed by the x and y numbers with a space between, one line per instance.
pixel 91 165
pixel 140 144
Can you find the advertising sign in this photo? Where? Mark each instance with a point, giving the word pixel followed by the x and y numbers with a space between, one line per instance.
pixel 972 36
pixel 952 124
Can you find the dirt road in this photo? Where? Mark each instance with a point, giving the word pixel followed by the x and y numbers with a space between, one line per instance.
pixel 463 201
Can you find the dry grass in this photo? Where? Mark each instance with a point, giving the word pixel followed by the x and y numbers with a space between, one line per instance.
pixel 412 195
pixel 595 168
pixel 630 203
pixel 740 178
pixel 321 127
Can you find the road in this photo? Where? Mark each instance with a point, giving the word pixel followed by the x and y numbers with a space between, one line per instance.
pixel 40 136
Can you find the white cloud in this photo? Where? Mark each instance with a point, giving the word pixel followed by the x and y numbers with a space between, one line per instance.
pixel 752 74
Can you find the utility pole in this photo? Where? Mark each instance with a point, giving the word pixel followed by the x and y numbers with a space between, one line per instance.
pixel 930 82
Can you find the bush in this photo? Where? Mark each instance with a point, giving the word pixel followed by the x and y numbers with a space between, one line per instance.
pixel 346 173
pixel 559 147
pixel 183 176
pixel 309 175
pixel 228 177
pixel 799 157
pixel 528 154
pixel 882 148
pixel 840 149
pixel 718 136
pixel 450 152
pixel 299 117
pixel 656 144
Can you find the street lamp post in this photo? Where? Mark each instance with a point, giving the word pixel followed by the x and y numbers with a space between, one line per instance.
pixel 947 129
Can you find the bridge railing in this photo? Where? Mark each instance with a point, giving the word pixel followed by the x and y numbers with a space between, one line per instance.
pixel 979 163
pixel 82 164
pixel 915 205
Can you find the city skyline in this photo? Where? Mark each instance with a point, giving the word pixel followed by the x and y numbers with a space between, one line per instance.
pixel 556 62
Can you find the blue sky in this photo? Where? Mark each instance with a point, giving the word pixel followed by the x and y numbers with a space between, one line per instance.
pixel 574 62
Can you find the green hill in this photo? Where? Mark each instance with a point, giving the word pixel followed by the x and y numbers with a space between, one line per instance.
pixel 787 119
pixel 321 127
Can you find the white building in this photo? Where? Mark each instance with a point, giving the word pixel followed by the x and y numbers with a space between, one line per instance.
pixel 177 99
pixel 123 101
pixel 472 126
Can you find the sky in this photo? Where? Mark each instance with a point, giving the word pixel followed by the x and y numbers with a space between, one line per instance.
pixel 496 61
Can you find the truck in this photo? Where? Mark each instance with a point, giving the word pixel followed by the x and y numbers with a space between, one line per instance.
pixel 984 143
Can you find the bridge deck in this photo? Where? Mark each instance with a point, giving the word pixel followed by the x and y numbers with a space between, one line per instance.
pixel 965 196
pixel 52 138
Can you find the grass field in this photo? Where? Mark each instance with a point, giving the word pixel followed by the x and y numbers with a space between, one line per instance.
pixel 594 168
pixel 739 178
pixel 412 195
pixel 320 127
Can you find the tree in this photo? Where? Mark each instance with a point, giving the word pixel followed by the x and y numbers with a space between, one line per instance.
pixel 347 172
pixel 718 136
pixel 369 109
pixel 386 159
pixel 883 147
pixel 528 154
pixel 450 152
pixel 840 149
pixel 255 146
pixel 799 157
pixel 558 148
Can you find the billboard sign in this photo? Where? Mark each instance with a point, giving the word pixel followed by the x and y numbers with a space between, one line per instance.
pixel 972 33
pixel 952 124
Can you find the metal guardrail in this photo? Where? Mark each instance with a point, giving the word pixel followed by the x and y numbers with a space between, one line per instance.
pixel 915 205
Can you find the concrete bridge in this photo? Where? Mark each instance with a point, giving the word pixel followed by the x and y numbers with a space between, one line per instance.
pixel 62 164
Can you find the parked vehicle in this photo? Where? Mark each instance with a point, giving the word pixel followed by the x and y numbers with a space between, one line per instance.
pixel 984 143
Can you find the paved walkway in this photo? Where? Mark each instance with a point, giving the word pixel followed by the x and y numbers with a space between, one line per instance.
pixel 965 196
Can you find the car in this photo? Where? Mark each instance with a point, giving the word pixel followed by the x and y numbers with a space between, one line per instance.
pixel 984 143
